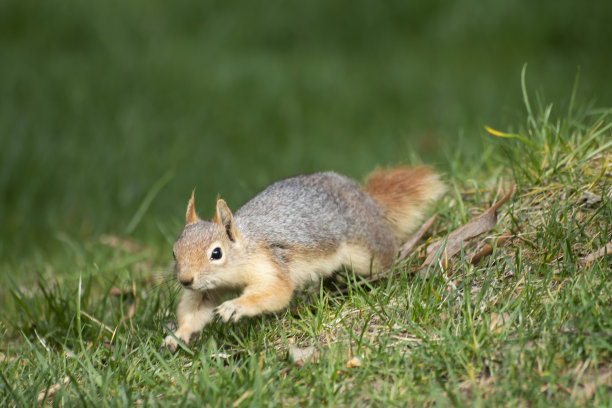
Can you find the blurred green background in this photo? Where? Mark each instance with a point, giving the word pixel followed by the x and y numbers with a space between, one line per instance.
pixel 103 102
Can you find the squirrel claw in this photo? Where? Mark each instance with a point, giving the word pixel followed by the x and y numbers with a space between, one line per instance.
pixel 170 344
pixel 229 311
pixel 216 316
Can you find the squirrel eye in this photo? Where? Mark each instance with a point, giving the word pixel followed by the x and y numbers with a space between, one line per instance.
pixel 216 254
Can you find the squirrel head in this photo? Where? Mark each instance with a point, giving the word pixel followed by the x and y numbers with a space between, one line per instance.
pixel 207 252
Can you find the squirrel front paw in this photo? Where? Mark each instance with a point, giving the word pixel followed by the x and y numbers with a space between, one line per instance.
pixel 229 311
pixel 171 344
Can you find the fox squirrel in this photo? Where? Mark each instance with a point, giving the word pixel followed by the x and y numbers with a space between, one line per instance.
pixel 295 231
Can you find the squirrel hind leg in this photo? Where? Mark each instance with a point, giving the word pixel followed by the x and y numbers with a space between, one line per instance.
pixel 365 261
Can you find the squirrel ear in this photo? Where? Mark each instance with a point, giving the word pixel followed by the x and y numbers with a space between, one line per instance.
pixel 225 219
pixel 191 215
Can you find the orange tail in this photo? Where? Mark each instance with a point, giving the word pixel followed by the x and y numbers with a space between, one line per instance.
pixel 403 193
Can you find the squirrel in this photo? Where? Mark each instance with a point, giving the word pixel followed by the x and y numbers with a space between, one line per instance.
pixel 295 231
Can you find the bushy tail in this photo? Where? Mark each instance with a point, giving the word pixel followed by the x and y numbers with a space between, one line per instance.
pixel 404 193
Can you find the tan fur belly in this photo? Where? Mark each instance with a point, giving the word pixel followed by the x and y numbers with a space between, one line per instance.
pixel 309 267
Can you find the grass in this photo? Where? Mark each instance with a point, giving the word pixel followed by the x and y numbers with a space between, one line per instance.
pixel 530 325
pixel 112 112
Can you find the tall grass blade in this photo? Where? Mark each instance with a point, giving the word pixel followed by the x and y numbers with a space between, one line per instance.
pixel 148 199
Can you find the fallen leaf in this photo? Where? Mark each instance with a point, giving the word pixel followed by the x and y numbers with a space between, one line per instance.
pixel 115 291
pixel 414 238
pixel 48 393
pixel 4 358
pixel 488 248
pixel 590 198
pixel 479 225
pixel 301 356
pixel 590 385
pixel 498 321
pixel 482 385
pixel 606 249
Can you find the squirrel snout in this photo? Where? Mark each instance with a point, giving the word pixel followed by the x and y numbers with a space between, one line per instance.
pixel 186 282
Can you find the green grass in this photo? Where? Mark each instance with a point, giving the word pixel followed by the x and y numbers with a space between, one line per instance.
pixel 112 112
pixel 529 326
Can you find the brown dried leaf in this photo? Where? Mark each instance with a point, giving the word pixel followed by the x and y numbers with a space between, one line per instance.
pixel 4 358
pixel 488 248
pixel 50 392
pixel 590 384
pixel 414 238
pixel 301 356
pixel 481 385
pixel 479 225
pixel 590 198
pixel 126 292
pixel 597 254
pixel 497 321
pixel 115 291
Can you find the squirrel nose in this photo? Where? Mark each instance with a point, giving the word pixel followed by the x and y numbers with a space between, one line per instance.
pixel 186 282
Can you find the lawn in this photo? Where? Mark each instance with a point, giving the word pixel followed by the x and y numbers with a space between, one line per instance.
pixel 112 112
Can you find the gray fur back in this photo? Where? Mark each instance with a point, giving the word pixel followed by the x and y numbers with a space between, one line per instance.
pixel 311 211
